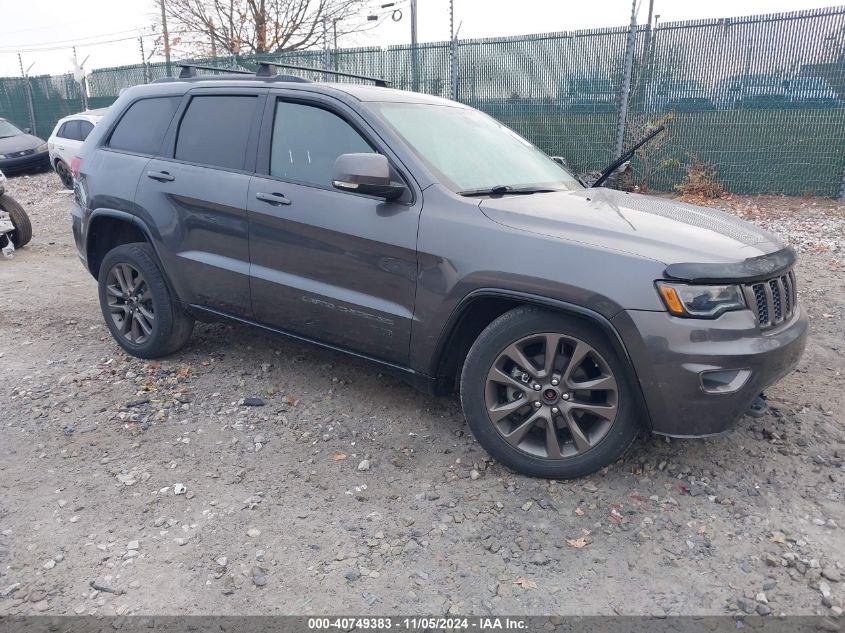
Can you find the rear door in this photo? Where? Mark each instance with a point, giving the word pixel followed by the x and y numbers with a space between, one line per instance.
pixel 329 265
pixel 195 193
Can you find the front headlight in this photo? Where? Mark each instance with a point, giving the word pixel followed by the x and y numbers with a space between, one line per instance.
pixel 703 302
pixel 41 148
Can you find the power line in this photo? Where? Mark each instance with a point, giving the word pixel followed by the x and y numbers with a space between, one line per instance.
pixel 13 51
pixel 79 41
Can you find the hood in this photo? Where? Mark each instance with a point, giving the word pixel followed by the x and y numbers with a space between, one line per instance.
pixel 663 230
pixel 19 143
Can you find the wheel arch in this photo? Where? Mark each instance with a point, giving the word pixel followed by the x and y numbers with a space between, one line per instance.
pixel 108 228
pixel 480 307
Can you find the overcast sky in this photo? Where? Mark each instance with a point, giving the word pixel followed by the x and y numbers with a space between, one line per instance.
pixel 27 25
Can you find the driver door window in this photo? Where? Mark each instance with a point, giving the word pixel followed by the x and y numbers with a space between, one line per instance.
pixel 306 142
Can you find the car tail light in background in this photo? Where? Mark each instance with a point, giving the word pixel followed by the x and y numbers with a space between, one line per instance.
pixel 75 164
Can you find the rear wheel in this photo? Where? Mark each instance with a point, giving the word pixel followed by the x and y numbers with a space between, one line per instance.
pixel 20 220
pixel 137 305
pixel 64 174
pixel 546 395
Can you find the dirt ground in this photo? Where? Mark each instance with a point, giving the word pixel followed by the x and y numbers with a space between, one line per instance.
pixel 280 516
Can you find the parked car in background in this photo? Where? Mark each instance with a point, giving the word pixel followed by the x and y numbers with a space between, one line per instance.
pixel 742 92
pixel 20 150
pixel 813 92
pixel 588 94
pixel 680 95
pixel 66 139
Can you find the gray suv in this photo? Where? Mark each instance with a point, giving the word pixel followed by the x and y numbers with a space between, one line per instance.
pixel 430 239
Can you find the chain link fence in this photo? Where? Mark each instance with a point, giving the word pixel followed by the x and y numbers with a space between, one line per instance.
pixel 760 98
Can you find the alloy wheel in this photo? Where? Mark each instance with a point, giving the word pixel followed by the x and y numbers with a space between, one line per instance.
pixel 551 395
pixel 130 303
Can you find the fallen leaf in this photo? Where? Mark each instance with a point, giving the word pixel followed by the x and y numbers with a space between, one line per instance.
pixel 579 512
pixel 577 543
pixel 338 456
pixel 586 532
pixel 777 538
pixel 702 529
pixel 290 400
pixel 183 372
pixel 525 583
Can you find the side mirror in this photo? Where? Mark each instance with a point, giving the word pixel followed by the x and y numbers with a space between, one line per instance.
pixel 560 160
pixel 27 130
pixel 366 173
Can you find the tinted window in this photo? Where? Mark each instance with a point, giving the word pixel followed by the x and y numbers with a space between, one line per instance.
pixel 307 140
pixel 214 131
pixel 143 125
pixel 85 128
pixel 62 133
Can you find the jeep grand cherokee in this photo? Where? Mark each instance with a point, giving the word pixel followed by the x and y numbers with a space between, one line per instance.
pixel 427 237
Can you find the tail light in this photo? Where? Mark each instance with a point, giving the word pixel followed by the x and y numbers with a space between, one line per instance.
pixel 75 164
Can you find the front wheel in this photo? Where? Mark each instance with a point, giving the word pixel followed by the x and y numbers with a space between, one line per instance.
pixel 137 304
pixel 546 395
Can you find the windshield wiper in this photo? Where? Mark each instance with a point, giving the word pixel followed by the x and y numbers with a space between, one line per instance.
pixel 500 190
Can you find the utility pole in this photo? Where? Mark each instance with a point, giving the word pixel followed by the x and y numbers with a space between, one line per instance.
pixel 626 81
pixel 334 32
pixel 79 75
pixel 143 59
pixel 327 56
pixel 453 53
pixel 415 60
pixel 213 39
pixel 29 104
pixel 166 39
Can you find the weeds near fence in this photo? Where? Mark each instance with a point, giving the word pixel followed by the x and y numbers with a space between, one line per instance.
pixel 700 181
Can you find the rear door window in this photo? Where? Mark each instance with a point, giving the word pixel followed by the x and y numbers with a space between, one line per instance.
pixel 307 140
pixel 142 127
pixel 215 130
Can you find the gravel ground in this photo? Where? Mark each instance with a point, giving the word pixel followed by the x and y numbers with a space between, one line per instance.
pixel 347 491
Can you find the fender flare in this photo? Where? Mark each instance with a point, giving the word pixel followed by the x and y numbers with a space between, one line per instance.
pixel 596 318
pixel 117 215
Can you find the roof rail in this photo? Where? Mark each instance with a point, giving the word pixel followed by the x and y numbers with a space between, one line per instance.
pixel 190 70
pixel 268 69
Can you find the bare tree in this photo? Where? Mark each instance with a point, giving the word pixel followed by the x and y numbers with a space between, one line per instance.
pixel 250 27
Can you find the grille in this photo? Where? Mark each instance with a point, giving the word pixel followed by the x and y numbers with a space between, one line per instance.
pixel 774 300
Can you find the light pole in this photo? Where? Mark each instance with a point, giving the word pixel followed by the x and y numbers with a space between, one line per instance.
pixel 415 61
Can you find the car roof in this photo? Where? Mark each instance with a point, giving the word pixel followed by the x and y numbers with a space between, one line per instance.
pixel 87 115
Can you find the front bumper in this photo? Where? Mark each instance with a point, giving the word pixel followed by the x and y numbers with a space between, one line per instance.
pixel 671 354
pixel 38 160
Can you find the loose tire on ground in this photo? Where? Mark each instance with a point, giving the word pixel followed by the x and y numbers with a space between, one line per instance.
pixel 137 304
pixel 20 220
pixel 506 414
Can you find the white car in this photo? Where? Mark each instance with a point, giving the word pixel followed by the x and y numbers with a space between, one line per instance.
pixel 67 138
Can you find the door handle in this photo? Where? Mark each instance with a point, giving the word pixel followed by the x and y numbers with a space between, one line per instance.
pixel 272 198
pixel 161 176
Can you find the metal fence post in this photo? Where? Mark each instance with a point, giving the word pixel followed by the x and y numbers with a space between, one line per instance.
pixel 626 82
pixel 841 196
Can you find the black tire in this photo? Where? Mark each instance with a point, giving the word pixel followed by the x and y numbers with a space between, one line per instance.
pixel 171 326
pixel 20 220
pixel 63 172
pixel 507 330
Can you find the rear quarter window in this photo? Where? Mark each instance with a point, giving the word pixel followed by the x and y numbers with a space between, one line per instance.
pixel 142 127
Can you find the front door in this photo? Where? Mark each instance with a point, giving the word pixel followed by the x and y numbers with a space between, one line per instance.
pixel 197 193
pixel 328 265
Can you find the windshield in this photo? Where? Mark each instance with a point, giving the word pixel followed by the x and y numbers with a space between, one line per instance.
pixel 469 150
pixel 7 129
